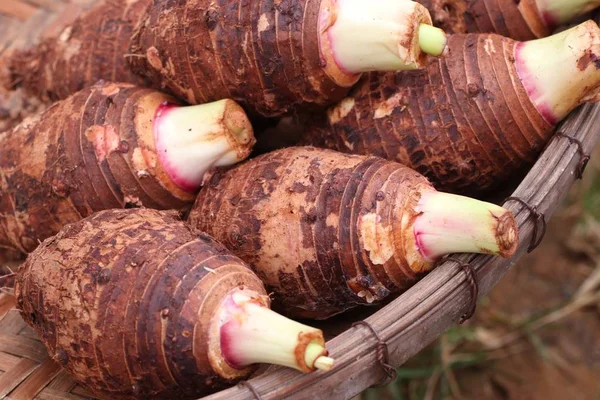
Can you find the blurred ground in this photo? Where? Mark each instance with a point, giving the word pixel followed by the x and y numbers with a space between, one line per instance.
pixel 536 336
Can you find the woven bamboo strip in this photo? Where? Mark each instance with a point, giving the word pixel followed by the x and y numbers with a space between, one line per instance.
pixel 36 381
pixel 27 371
pixel 7 361
pixel 17 374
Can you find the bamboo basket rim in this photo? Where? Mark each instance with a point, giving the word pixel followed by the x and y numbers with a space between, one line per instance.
pixel 401 328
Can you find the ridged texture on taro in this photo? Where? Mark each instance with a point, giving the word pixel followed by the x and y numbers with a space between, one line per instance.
pixel 90 49
pixel 90 152
pixel 305 220
pixel 519 20
pixel 122 301
pixel 263 54
pixel 466 122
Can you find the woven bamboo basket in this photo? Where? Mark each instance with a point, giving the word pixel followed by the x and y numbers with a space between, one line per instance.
pixel 366 352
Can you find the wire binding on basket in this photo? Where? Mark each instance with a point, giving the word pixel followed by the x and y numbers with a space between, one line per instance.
pixel 539 221
pixel 584 157
pixel 469 271
pixel 383 356
pixel 251 388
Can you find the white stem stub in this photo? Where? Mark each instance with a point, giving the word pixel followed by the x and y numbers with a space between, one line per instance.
pixel 561 71
pixel 194 139
pixel 379 35
pixel 252 333
pixel 557 12
pixel 450 223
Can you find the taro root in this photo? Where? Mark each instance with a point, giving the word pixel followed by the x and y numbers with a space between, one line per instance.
pixel 111 146
pixel 88 50
pixel 518 19
pixel 276 55
pixel 328 231
pixel 474 118
pixel 134 304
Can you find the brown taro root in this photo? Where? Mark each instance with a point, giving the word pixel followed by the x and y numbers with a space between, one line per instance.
pixel 328 231
pixel 134 304
pixel 275 55
pixel 517 19
pixel 111 146
pixel 475 118
pixel 89 49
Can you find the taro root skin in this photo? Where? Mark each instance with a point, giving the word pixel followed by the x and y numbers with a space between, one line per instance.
pixel 88 50
pixel 215 60
pixel 135 304
pixel 121 300
pixel 520 20
pixel 328 231
pixel 276 56
pixel 516 20
pixel 474 118
pixel 97 150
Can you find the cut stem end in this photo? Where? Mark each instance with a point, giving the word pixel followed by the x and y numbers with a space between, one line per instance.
pixel 252 333
pixel 314 356
pixel 194 139
pixel 324 363
pixel 383 36
pixel 450 223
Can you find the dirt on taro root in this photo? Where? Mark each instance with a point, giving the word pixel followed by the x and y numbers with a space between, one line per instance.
pixel 536 336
